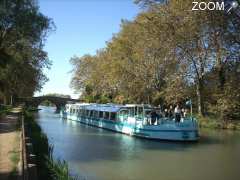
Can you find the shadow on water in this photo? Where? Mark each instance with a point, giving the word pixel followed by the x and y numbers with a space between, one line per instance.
pixel 208 140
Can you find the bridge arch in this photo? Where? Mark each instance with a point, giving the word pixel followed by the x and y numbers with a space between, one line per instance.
pixel 36 101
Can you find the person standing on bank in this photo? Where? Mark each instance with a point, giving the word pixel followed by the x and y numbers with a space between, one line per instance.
pixel 177 112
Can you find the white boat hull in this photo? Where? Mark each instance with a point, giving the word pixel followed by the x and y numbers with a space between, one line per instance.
pixel 187 131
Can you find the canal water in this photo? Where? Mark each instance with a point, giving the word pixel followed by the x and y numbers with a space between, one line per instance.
pixel 96 154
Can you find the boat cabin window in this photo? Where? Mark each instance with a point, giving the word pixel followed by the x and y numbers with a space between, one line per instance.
pixel 100 114
pixel 106 115
pixel 124 112
pixel 95 114
pixel 123 115
pixel 84 112
pixel 113 116
pixel 136 110
pixel 91 113
pixel 140 110
pixel 148 112
pixel 132 111
pixel 87 113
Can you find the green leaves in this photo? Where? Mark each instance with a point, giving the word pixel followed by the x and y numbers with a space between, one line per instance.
pixel 23 30
pixel 167 54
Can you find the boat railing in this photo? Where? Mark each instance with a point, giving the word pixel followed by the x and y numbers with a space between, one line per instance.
pixel 167 120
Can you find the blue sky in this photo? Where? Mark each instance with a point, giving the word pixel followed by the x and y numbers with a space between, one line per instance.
pixel 83 26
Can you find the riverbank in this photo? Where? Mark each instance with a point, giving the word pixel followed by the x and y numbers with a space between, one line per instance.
pixel 47 167
pixel 10 148
pixel 215 123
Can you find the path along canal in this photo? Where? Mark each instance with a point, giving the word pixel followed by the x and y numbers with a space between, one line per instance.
pixel 97 154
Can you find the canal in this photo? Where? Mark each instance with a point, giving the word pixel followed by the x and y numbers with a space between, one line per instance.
pixel 96 154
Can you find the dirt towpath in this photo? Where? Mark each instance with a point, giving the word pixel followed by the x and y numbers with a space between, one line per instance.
pixel 9 145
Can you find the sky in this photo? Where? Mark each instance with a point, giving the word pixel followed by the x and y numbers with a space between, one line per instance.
pixel 82 27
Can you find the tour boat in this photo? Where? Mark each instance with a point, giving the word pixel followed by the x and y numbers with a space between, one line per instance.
pixel 132 119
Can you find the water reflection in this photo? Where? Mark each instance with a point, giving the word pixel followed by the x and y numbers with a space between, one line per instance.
pixel 99 154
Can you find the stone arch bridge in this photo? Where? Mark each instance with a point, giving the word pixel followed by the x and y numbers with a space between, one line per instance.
pixel 36 101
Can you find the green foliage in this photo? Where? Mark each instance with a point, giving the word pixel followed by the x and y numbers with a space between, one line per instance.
pixel 167 54
pixel 59 169
pixel 23 30
pixel 214 122
pixel 4 109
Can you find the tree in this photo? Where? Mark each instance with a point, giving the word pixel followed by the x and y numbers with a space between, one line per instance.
pixel 23 30
pixel 170 54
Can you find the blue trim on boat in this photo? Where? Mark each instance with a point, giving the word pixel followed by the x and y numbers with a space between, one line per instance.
pixel 133 127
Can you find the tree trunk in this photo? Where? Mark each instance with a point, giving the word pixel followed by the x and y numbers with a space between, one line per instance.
pixel 199 98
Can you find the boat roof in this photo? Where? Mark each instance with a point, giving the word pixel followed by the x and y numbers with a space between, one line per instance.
pixel 104 107
pixel 139 105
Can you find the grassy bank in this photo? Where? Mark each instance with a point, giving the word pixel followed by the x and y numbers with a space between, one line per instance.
pixel 214 122
pixel 47 167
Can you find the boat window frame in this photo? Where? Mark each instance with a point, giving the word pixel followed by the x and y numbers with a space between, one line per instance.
pixel 140 110
pixel 91 113
pixel 101 114
pixel 115 116
pixel 87 113
pixel 95 114
pixel 131 111
pixel 136 110
pixel 119 114
pixel 84 112
pixel 104 116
